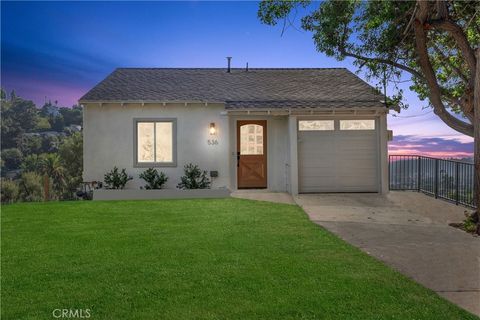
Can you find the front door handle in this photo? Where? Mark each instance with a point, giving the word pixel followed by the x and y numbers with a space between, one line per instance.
pixel 238 159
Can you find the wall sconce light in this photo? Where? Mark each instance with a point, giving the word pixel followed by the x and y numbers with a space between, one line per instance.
pixel 212 130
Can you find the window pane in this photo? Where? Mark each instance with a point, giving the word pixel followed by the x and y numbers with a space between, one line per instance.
pixel 315 125
pixel 251 139
pixel 145 141
pixel 164 142
pixel 357 124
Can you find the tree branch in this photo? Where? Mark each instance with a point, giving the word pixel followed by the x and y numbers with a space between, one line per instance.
pixel 442 11
pixel 462 42
pixel 431 80
pixel 452 102
pixel 407 29
pixel 451 65
pixel 384 61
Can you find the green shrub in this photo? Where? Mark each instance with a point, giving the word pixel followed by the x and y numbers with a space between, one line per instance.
pixel 30 144
pixel 116 179
pixel 31 187
pixel 33 163
pixel 9 191
pixel 469 224
pixel 194 178
pixel 43 124
pixel 12 158
pixel 153 178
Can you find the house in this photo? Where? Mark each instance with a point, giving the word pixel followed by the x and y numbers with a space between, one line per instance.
pixel 298 130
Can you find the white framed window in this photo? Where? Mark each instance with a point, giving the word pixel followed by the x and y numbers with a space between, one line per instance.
pixel 357 124
pixel 154 142
pixel 316 125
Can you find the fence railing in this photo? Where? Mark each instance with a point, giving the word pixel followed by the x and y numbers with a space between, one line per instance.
pixel 446 179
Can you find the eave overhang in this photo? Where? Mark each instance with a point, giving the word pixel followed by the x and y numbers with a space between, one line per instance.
pixel 308 111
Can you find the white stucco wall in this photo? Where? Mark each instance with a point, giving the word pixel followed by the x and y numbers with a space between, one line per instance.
pixel 293 155
pixel 109 133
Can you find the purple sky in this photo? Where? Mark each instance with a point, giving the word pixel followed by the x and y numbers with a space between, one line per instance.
pixel 59 50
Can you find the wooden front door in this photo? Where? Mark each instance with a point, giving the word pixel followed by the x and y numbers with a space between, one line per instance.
pixel 251 154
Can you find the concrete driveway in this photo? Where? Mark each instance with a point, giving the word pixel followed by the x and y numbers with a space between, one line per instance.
pixel 408 231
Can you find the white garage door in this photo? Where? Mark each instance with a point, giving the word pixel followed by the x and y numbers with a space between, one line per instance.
pixel 337 156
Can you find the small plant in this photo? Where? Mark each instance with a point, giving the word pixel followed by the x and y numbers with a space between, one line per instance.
pixel 153 178
pixel 194 178
pixel 31 187
pixel 470 223
pixel 116 179
pixel 9 191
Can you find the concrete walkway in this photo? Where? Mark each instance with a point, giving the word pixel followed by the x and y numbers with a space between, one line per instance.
pixel 408 231
pixel 262 195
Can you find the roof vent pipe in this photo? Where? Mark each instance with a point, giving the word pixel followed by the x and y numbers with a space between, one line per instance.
pixel 246 68
pixel 229 59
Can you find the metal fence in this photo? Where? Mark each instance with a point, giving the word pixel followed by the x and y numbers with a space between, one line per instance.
pixel 446 179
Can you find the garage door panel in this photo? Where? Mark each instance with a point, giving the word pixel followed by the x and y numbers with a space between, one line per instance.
pixel 338 161
pixel 313 177
pixel 325 186
pixel 349 179
pixel 359 163
pixel 355 150
pixel 350 147
pixel 313 147
pixel 353 183
pixel 318 162
pixel 359 141
pixel 356 154
pixel 356 133
pixel 316 152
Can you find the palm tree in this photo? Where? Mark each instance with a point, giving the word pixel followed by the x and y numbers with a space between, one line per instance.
pixel 52 169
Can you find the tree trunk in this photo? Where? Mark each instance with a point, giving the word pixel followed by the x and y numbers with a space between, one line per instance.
pixel 476 137
pixel 435 93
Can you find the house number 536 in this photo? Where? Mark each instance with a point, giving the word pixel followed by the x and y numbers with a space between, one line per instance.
pixel 212 142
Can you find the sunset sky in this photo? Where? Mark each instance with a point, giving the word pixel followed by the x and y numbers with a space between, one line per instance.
pixel 59 50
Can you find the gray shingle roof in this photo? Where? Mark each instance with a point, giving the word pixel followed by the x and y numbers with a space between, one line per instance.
pixel 259 87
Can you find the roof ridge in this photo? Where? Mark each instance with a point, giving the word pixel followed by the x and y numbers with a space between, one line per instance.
pixel 223 68
pixel 303 100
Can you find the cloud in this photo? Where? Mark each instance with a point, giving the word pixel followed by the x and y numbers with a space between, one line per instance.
pixel 443 147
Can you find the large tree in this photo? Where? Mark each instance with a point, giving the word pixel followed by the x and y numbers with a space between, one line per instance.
pixel 434 43
pixel 18 116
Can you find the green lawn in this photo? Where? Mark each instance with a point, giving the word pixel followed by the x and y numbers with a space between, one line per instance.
pixel 195 259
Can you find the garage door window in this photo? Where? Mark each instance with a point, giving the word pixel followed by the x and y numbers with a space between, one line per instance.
pixel 316 125
pixel 357 124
